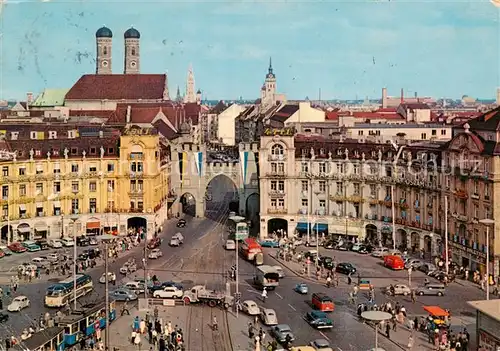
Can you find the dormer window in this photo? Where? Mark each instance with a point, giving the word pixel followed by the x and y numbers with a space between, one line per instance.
pixel 93 151
pixel 74 151
pixel 38 152
pixel 304 152
pixel 322 152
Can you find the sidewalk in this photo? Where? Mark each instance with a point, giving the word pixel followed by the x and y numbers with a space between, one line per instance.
pixel 238 330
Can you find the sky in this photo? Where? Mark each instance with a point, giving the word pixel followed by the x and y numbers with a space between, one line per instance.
pixel 348 49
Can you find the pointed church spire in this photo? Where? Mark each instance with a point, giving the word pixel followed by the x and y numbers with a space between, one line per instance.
pixel 178 97
pixel 270 65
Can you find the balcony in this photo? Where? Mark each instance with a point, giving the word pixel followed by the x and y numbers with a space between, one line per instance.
pixel 302 211
pixel 461 194
pixel 134 175
pixel 371 217
pixel 355 199
pixel 276 174
pixel 338 197
pixel 462 218
pixel 276 157
pixel 277 211
pixel 320 212
pixel 373 202
pixel 303 174
pixel 276 193
pixel 40 214
pixel 136 156
pixel 475 196
pixel 136 193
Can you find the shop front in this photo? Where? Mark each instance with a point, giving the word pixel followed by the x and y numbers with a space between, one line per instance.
pixel 41 231
pixel 93 226
pixel 24 231
pixel 487 324
pixel 468 257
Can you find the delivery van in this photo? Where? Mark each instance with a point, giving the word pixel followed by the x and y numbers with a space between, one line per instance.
pixel 394 262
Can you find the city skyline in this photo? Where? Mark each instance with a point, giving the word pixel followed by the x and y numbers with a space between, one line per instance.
pixel 354 51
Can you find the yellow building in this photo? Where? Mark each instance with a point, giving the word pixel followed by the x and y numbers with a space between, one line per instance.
pixel 99 178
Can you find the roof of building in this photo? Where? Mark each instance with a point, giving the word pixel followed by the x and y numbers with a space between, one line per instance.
pixel 132 33
pixel 118 87
pixel 146 112
pixel 398 126
pixel 284 113
pixel 376 115
pixel 104 32
pixel 50 97
pixel 490 308
pixel 415 106
pixel 219 108
pixel 489 121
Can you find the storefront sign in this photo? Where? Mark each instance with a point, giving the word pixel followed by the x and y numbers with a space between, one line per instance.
pixel 138 131
pixel 280 132
pixel 480 255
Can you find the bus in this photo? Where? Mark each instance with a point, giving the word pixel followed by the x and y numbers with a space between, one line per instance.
pixel 250 249
pixel 238 230
pixel 267 277
pixel 61 293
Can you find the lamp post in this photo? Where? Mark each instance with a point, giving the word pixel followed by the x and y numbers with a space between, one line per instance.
pixel 74 217
pixel 376 317
pixel 399 150
pixel 446 258
pixel 106 238
pixel 487 222
pixel 236 220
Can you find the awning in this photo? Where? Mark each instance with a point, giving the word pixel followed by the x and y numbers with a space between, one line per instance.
pixel 303 226
pixel 93 225
pixel 39 167
pixel 41 227
pixel 57 204
pixel 436 311
pixel 22 207
pixel 23 229
pixel 39 205
pixel 320 227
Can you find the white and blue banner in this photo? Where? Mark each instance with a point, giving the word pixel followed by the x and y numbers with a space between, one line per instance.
pixel 198 158
pixel 244 164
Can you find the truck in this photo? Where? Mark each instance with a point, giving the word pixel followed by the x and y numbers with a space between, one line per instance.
pixel 266 277
pixel 200 294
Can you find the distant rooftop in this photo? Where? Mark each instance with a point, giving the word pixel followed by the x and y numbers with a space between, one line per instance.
pixel 398 126
pixel 50 97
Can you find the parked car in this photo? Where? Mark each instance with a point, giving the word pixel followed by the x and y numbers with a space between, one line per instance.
pixel 154 243
pixel 326 262
pixel 40 262
pixel 93 241
pixel 318 320
pixel 321 345
pixel 111 277
pixel 356 247
pixel 128 267
pixel 431 290
pixel 31 246
pixel 174 242
pixel 179 237
pixel 380 252
pixel 18 303
pixel 345 268
pixel 280 332
pixel 330 244
pixel 398 289
pixel 44 245
pixel 155 253
pixel 415 263
pixel 427 268
pixel 6 250
pixel 170 292
pixel 270 243
pixel 181 223
pixel 52 257
pixel 250 307
pixel 17 247
pixel 301 288
pixel 268 317
pixel 123 294
pixel 230 245
pixel 82 241
pixel 67 242
pixel 136 287
pixel 55 244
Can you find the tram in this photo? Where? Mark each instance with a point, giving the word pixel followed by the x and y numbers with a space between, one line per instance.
pixel 84 323
pixel 49 339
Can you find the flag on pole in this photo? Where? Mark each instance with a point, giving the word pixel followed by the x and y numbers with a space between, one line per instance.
pixel 244 164
pixel 182 166
pixel 198 157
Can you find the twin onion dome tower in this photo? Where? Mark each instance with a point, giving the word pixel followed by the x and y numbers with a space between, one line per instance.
pixel 104 42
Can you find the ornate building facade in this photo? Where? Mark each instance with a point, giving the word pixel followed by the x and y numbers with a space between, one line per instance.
pixel 99 178
pixel 312 184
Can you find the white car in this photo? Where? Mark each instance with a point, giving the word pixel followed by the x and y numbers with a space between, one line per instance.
pixel 67 242
pixel 380 252
pixel 174 242
pixel 155 253
pixel 55 244
pixel 134 286
pixel 230 245
pixel 39 261
pixel 170 292
pixel 111 277
pixel 250 307
pixel 52 257
pixel 179 237
pixel 18 304
pixel 399 289
pixel 268 317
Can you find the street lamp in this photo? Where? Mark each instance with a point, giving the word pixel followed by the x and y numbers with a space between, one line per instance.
pixel 74 217
pixel 399 150
pixel 487 222
pixel 236 220
pixel 376 317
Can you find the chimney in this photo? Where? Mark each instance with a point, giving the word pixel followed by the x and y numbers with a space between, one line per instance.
pixel 129 110
pixel 384 97
pixel 402 96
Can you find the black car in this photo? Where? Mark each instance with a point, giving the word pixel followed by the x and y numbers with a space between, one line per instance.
pixel 82 241
pixel 326 262
pixel 4 317
pixel 330 244
pixel 181 223
pixel 345 268
pixel 44 245
pixel 164 285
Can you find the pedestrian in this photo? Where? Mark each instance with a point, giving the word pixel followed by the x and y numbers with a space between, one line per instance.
pixel 410 342
pixel 215 325
pixel 264 294
pixel 125 309
pixel 413 296
pixel 250 330
pixel 388 330
pixel 349 279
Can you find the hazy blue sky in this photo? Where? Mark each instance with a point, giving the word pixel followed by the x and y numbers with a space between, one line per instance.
pixel 347 49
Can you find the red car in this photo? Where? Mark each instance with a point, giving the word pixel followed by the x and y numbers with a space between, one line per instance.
pixel 154 243
pixel 17 247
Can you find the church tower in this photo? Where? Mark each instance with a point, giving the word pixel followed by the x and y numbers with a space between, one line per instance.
pixel 132 55
pixel 268 93
pixel 104 39
pixel 190 92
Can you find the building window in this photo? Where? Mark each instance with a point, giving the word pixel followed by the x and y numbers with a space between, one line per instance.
pixel 111 167
pixel 132 186
pixel 423 136
pixel 74 151
pixel 281 168
pixel 274 203
pixel 274 167
pixel 93 151
pixel 75 206
pixel 93 169
pixel 92 186
pixel 22 190
pixel 93 205
pixel 74 168
pixel 322 167
pixel 140 206
pixel 140 186
pixel 340 168
pixel 304 167
pixel 487 212
pixel 5 211
pixel 22 171
pixel 57 168
pixel 373 169
pixel 322 204
pixel 5 171
pixel 357 211
pixel 39 211
pixel 476 188
pixel 322 186
pixel 443 131
pixel 111 185
pixel 39 189
pixel 357 189
pixel 277 150
pixel 433 132
pixel 360 132
pixel 57 187
pixel 355 169
pixel 111 205
pixel 22 211
pixel 281 203
pixel 340 188
pixel 74 187
pixel 305 186
pixel 5 192
pixel 486 191
pixel 373 190
pixel 476 211
pixel 305 203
